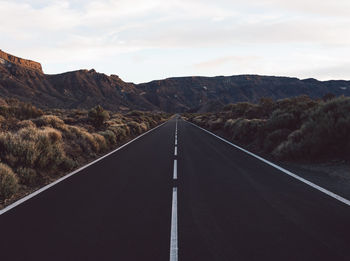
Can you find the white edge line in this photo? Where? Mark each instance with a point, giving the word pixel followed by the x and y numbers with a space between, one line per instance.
pixel 323 190
pixel 22 200
pixel 175 169
pixel 173 234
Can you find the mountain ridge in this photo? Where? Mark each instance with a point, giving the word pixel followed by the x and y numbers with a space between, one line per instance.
pixel 87 88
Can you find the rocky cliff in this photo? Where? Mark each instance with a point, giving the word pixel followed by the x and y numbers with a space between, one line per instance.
pixel 9 60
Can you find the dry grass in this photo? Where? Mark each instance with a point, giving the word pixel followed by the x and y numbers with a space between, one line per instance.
pixel 8 182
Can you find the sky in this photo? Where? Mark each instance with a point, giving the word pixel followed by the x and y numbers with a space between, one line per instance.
pixel 144 40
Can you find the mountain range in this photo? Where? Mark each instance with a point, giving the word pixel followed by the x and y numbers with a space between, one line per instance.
pixel 87 88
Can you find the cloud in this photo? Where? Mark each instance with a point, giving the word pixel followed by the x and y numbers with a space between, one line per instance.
pixel 63 33
pixel 326 71
pixel 325 7
pixel 218 62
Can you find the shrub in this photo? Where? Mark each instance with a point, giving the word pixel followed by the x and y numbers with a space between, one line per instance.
pixel 266 106
pixel 17 151
pixel 85 139
pixel 2 120
pixel 32 147
pixel 27 176
pixel 239 109
pixel 282 120
pixel 324 134
pixel 25 124
pixel 274 139
pixel 68 164
pixel 198 120
pixel 101 141
pixel 215 124
pixel 254 112
pixel 49 149
pixel 246 131
pixel 27 111
pixel 109 136
pixel 328 96
pixel 19 110
pixel 49 120
pixel 98 116
pixel 135 127
pixel 135 114
pixel 121 131
pixel 8 182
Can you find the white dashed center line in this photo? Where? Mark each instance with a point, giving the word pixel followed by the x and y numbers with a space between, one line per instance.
pixel 175 170
pixel 173 237
pixel 173 233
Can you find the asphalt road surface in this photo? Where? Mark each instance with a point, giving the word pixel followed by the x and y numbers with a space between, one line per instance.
pixel 178 195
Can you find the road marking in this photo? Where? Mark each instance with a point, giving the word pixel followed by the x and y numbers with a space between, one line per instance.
pixel 323 190
pixel 175 169
pixel 35 193
pixel 173 234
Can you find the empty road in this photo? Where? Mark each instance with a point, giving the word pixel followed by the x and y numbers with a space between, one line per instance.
pixel 178 193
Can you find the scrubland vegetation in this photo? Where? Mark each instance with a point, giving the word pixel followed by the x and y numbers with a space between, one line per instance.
pixel 294 129
pixel 37 147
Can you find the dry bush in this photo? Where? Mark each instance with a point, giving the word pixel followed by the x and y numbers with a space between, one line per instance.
pixel 199 120
pixel 98 116
pixel 109 136
pixel 19 110
pixel 85 140
pixel 215 124
pixel 89 143
pixel 135 127
pixel 135 114
pixel 101 141
pixel 27 176
pixel 144 126
pixel 246 131
pixel 274 139
pixel 49 120
pixel 8 182
pixel 121 131
pixel 2 122
pixel 25 124
pixel 239 109
pixel 27 111
pixel 282 120
pixel 33 148
pixel 16 151
pixel 325 133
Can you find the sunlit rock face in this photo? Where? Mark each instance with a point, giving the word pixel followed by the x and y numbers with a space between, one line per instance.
pixel 9 59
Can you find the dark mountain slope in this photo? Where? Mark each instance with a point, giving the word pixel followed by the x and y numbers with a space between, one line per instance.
pixel 196 92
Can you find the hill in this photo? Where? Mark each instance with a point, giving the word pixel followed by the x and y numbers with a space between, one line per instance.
pixel 87 88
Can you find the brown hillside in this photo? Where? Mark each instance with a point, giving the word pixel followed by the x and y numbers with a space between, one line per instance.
pixel 87 88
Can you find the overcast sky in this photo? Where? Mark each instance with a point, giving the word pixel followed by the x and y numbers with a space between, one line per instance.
pixel 144 40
